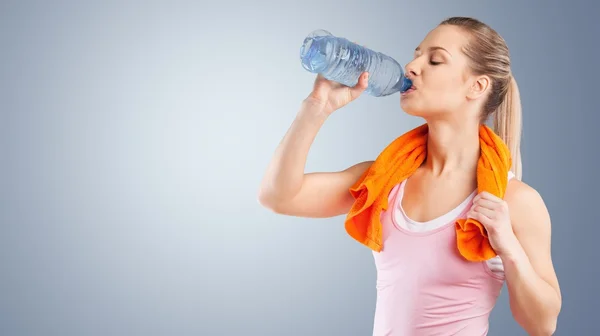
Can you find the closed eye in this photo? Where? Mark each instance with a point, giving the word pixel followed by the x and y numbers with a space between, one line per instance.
pixel 434 63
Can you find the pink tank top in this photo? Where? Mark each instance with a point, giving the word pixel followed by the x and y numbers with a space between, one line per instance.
pixel 424 286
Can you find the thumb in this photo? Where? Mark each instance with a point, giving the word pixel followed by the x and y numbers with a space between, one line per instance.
pixel 361 86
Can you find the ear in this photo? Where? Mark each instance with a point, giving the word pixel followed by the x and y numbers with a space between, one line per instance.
pixel 479 87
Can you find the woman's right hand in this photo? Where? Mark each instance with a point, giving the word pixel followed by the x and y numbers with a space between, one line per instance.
pixel 331 95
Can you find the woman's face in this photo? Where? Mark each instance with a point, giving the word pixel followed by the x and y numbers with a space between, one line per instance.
pixel 439 73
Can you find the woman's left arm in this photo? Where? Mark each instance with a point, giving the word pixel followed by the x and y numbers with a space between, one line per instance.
pixel 534 293
pixel 519 229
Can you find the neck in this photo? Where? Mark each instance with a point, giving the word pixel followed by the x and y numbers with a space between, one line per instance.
pixel 452 147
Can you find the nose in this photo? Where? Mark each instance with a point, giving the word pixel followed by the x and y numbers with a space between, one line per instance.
pixel 411 70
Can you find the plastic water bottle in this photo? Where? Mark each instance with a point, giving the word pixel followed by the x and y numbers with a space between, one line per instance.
pixel 342 61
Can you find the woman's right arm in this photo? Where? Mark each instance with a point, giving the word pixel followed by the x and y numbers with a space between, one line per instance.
pixel 286 188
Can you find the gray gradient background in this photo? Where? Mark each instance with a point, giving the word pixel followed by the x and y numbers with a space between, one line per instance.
pixel 133 137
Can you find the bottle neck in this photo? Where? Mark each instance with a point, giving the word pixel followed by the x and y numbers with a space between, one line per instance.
pixel 403 84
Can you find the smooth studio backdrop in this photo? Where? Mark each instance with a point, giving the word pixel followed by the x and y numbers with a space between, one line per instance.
pixel 134 135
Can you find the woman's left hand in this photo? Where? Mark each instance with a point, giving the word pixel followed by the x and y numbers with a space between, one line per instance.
pixel 493 213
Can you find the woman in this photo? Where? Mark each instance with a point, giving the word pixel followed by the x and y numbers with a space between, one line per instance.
pixel 462 77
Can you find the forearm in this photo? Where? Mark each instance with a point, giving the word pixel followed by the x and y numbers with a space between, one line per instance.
pixel 535 304
pixel 285 173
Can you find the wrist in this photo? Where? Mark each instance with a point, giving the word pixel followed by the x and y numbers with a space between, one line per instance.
pixel 314 109
pixel 514 253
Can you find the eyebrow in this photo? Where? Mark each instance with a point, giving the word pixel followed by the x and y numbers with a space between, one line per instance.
pixel 434 48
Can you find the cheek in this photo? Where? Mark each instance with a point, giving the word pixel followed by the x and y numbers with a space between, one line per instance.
pixel 447 89
pixel 439 95
pixel 444 83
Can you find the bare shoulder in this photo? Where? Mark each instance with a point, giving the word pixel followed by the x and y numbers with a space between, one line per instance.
pixel 527 207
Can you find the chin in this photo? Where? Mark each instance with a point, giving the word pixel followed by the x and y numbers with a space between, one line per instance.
pixel 412 109
pixel 422 112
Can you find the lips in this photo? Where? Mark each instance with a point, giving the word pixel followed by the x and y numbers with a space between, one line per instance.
pixel 411 89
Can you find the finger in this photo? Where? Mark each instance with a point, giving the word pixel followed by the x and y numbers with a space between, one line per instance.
pixel 481 218
pixel 363 83
pixel 489 213
pixel 486 203
pixel 363 80
pixel 488 196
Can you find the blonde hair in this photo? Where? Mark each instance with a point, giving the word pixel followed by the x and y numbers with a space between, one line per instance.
pixel 489 55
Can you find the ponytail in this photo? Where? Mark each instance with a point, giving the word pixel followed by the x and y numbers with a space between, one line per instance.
pixel 488 54
pixel 508 125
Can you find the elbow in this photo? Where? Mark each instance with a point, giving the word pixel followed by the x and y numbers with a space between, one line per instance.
pixel 542 328
pixel 268 201
pixel 548 328
pixel 540 319
pixel 550 324
pixel 551 329
pixel 264 199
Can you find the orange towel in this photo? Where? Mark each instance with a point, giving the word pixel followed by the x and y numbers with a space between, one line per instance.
pixel 397 162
